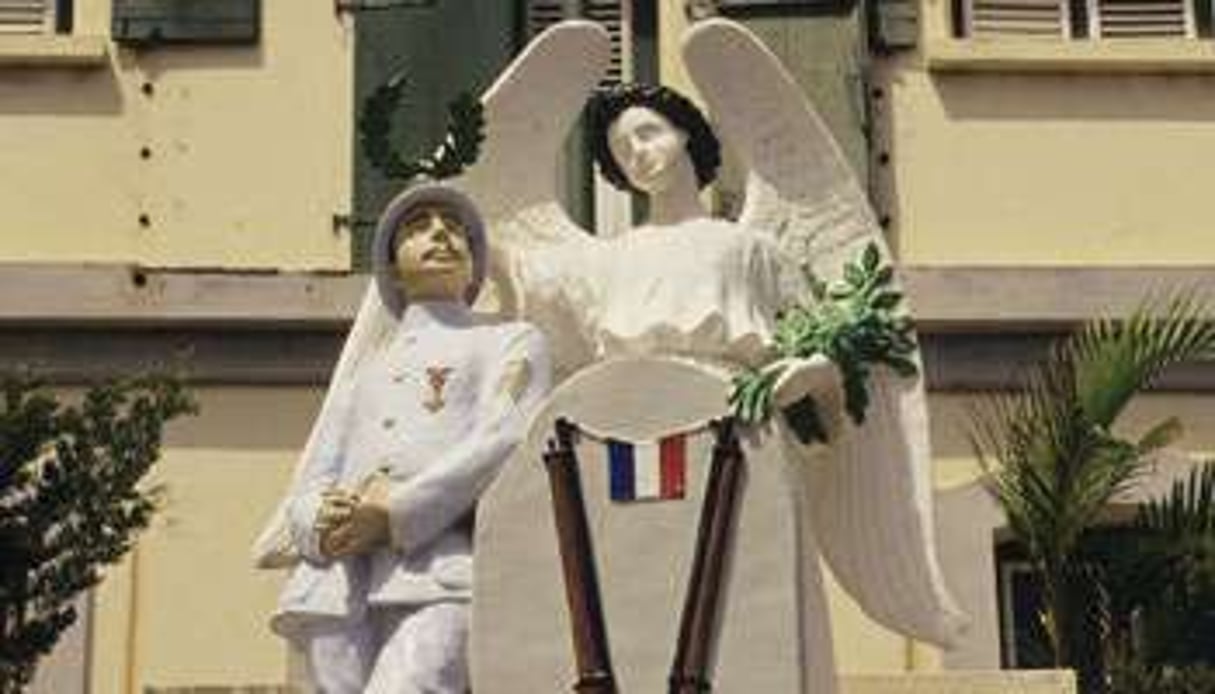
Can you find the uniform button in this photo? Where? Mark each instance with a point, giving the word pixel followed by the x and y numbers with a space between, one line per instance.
pixel 389 422
pixel 399 378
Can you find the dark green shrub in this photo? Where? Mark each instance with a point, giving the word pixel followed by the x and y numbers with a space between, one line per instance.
pixel 70 501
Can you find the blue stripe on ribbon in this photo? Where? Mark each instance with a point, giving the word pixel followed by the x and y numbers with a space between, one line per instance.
pixel 620 466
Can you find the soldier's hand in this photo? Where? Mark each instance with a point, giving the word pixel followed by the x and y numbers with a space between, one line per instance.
pixel 336 507
pixel 365 528
pixel 335 542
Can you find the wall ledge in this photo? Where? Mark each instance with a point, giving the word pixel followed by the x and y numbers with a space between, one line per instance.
pixel 980 327
pixel 1122 56
pixel 49 50
pixel 972 299
pixel 133 296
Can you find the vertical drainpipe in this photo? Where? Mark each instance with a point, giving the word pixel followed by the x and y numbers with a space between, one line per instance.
pixel 866 11
pixel 867 25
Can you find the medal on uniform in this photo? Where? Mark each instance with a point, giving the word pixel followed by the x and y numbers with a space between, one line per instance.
pixel 437 377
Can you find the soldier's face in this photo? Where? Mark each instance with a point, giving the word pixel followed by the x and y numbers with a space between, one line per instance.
pixel 650 151
pixel 433 258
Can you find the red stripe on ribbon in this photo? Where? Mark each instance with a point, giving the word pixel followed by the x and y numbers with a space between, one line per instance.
pixel 672 455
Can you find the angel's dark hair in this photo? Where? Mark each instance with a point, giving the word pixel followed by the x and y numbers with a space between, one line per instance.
pixel 606 105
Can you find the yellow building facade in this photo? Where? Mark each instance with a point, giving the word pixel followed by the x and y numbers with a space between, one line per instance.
pixel 191 205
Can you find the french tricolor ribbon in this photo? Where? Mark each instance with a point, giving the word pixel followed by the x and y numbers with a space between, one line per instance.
pixel 648 470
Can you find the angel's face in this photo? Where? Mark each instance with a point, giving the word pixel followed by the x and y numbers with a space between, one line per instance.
pixel 433 258
pixel 650 151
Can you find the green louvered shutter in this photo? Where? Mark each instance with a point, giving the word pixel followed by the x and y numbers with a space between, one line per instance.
pixel 445 47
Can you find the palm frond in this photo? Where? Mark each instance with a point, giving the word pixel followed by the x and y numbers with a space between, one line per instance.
pixel 1115 359
pixel 1187 511
pixel 1160 436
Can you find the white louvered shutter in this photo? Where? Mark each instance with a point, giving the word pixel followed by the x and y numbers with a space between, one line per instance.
pixel 1114 19
pixel 26 16
pixel 1050 19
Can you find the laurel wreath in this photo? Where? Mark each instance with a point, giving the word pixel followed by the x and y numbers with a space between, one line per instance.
pixel 460 147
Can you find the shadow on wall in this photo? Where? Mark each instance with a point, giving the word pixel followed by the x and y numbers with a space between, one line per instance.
pixel 38 91
pixel 104 91
pixel 1111 97
pixel 154 61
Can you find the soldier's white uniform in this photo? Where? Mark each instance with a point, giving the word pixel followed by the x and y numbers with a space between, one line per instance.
pixel 438 409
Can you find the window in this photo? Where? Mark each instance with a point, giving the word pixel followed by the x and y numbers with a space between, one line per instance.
pixel 1081 19
pixel 35 16
pixel 1024 643
pixel 26 16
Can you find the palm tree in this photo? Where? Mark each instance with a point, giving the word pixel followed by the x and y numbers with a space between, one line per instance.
pixel 1054 463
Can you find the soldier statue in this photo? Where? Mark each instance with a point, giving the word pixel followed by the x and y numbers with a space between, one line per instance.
pixel 427 401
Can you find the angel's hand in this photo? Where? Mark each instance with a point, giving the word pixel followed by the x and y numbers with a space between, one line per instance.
pixel 817 378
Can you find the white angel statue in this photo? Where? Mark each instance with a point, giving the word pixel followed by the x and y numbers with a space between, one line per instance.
pixel 686 284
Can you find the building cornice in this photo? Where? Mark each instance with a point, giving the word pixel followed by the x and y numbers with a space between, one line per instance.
pixel 944 298
pixel 980 327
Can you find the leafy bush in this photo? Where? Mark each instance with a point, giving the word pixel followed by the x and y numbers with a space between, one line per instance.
pixel 1140 679
pixel 70 501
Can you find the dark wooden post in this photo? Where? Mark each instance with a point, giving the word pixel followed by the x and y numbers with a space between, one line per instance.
pixel 702 599
pixel 589 630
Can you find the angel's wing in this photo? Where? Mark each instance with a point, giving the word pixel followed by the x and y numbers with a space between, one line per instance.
pixel 799 186
pixel 529 111
pixel 533 243
pixel 872 507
